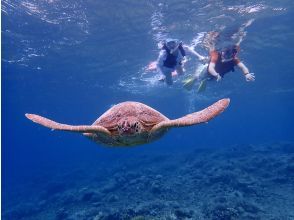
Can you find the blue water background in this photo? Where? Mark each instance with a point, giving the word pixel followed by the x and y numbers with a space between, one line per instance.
pixel 72 60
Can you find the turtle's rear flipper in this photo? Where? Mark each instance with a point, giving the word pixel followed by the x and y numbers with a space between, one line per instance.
pixel 195 118
pixel 64 127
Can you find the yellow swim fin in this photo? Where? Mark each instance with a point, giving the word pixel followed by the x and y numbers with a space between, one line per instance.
pixel 202 86
pixel 189 83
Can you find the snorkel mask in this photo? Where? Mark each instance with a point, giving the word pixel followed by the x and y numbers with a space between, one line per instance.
pixel 230 53
pixel 172 44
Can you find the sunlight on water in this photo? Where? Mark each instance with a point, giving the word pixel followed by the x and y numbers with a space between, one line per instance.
pixel 146 81
pixel 56 15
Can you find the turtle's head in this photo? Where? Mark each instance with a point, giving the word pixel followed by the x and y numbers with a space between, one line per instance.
pixel 129 126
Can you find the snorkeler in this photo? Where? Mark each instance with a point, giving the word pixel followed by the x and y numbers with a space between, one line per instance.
pixel 171 59
pixel 220 63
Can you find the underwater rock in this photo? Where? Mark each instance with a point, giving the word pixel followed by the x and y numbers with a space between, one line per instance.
pixel 250 207
pixel 120 215
pixel 91 213
pixel 140 217
pixel 226 178
pixel 288 148
pixel 133 182
pixel 97 204
pixel 158 177
pixel 119 179
pixel 42 204
pixel 132 175
pixel 280 180
pixel 245 188
pixel 112 198
pixel 54 188
pixel 290 169
pixel 91 196
pixel 67 198
pixel 156 188
pixel 221 212
pixel 183 213
pixel 110 187
pixel 99 216
pixel 231 189
pixel 61 214
pixel 21 211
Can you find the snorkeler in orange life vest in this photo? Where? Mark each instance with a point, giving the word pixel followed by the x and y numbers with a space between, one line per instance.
pixel 220 62
pixel 224 62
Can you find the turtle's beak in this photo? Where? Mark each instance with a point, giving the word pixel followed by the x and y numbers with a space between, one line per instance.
pixel 128 128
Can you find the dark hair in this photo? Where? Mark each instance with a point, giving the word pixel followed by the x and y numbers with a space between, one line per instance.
pixel 235 49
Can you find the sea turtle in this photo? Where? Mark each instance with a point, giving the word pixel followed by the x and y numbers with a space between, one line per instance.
pixel 132 123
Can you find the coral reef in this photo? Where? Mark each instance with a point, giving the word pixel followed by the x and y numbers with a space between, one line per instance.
pixel 236 182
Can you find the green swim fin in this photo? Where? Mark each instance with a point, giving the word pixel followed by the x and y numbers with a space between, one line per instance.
pixel 189 83
pixel 202 86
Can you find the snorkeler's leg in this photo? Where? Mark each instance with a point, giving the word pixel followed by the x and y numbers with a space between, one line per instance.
pixel 200 74
pixel 180 70
pixel 166 75
pixel 162 70
pixel 168 78
pixel 203 79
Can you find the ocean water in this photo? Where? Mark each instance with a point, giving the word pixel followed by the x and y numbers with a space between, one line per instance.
pixel 72 60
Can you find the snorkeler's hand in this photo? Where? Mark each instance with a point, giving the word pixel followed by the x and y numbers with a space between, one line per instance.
pixel 250 77
pixel 204 59
pixel 174 73
pixel 218 78
pixel 151 66
pixel 183 60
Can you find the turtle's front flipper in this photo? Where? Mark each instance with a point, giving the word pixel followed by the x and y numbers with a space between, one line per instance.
pixel 196 117
pixel 64 127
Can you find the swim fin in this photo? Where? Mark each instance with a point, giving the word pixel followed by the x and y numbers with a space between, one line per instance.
pixel 189 83
pixel 202 86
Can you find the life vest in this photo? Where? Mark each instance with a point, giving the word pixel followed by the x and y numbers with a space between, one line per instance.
pixel 224 67
pixel 171 59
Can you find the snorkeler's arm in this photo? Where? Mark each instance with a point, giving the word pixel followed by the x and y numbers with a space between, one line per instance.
pixel 192 51
pixel 248 76
pixel 243 68
pixel 212 71
pixel 160 59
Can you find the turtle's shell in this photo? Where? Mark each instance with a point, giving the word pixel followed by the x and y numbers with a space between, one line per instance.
pixel 128 111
